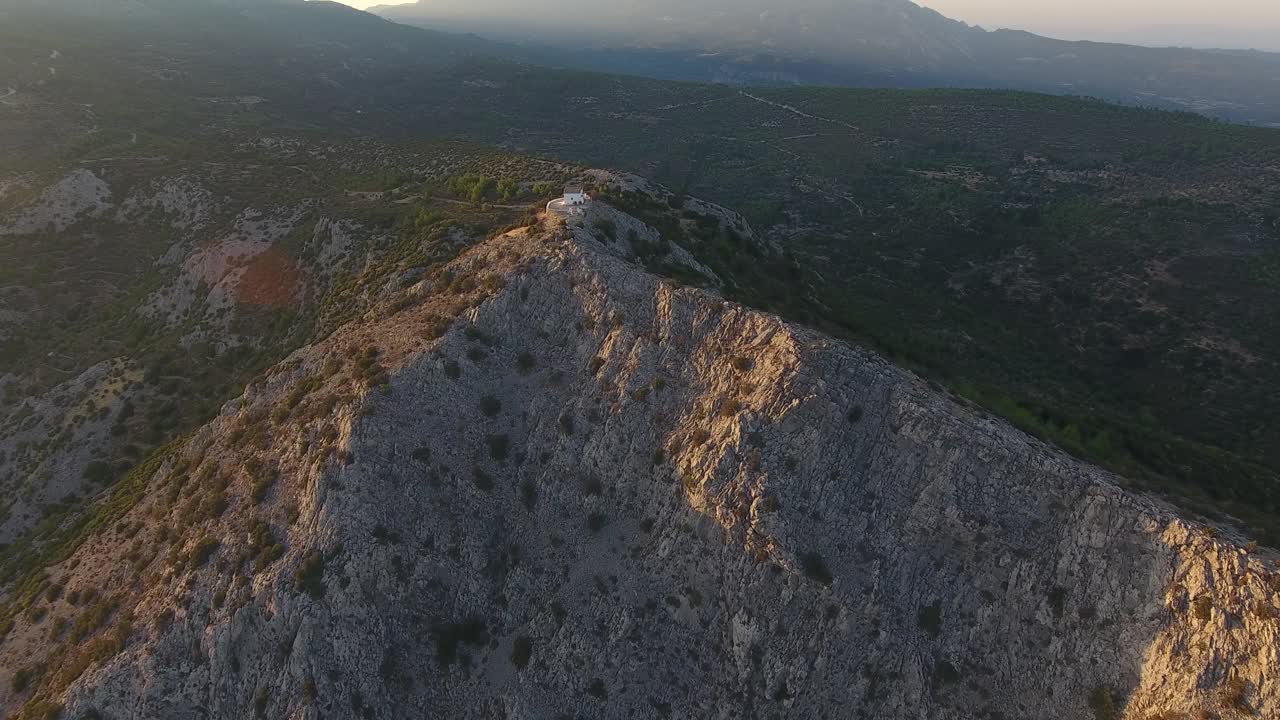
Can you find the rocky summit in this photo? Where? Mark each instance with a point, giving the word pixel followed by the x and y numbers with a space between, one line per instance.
pixel 542 482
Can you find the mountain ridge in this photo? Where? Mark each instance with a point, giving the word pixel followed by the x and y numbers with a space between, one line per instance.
pixel 642 457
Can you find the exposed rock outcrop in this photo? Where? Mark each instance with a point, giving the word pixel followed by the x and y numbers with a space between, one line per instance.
pixel 544 483
pixel 80 194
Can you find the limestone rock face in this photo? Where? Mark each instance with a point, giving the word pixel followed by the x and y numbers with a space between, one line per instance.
pixel 78 195
pixel 547 484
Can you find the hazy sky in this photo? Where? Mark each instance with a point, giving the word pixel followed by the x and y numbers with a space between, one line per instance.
pixel 1233 23
pixel 1159 20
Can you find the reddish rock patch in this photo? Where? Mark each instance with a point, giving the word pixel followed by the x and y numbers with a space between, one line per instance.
pixel 271 280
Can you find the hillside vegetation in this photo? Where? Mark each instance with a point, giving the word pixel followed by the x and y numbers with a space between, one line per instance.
pixel 1099 274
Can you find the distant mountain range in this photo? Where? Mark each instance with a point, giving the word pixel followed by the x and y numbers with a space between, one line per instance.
pixel 865 43
pixel 1260 37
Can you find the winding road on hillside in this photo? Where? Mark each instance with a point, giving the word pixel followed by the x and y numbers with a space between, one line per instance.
pixel 798 112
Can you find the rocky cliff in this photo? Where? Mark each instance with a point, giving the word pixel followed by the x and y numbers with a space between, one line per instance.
pixel 544 483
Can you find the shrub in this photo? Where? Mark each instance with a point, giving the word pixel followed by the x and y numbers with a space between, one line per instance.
pixel 452 370
pixel 263 546
pixel 449 636
pixel 499 446
pixel 99 472
pixel 946 673
pixel 729 408
pixel 566 424
pixel 1235 695
pixel 163 621
pixel 855 414
pixel 369 370
pixel 21 680
pixel 597 522
pixel 490 406
pixel 742 364
pixel 42 710
pixel 1103 704
pixel 482 481
pixel 93 618
pixel 309 576
pixel 260 698
pixel 521 652
pixel 596 364
pixel 596 689
pixel 422 455
pixel 300 392
pixel 383 536
pixel 1057 601
pixel 608 227
pixel 204 549
pixel 929 619
pixel 508 189
pixel 1202 608
pixel 525 363
pixel 529 494
pixel 262 486
pixel 815 568
pixel 436 327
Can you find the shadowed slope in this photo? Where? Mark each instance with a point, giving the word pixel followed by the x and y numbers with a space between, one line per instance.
pixel 551 483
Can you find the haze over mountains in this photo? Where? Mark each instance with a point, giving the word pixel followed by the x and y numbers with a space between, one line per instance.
pixel 1261 37
pixel 863 43
pixel 1153 23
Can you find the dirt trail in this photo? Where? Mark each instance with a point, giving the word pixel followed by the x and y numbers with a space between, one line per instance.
pixel 451 201
pixel 796 111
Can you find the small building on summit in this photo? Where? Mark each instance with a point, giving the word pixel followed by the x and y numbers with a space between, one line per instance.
pixel 572 205
pixel 575 195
